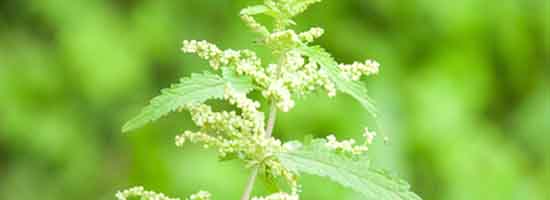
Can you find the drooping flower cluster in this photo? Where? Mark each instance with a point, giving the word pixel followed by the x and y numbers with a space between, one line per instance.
pixel 348 146
pixel 143 194
pixel 237 134
pixel 245 61
pixel 312 34
pixel 280 41
pixel 279 82
pixel 254 25
pixel 229 131
pixel 356 70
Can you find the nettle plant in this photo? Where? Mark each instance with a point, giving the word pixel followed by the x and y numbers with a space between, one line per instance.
pixel 246 134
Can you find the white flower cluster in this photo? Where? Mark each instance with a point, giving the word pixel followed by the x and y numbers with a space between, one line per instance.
pixel 204 50
pixel 254 25
pixel 201 195
pixel 345 146
pixel 231 132
pixel 244 61
pixel 145 195
pixel 356 70
pixel 248 106
pixel 237 134
pixel 293 75
pixel 279 82
pixel 296 77
pixel 276 169
pixel 304 78
pixel 280 94
pixel 312 34
pixel 282 40
pixel 349 146
pixel 278 196
pixel 242 134
pixel 287 39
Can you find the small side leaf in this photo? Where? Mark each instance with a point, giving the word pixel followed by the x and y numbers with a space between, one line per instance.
pixel 355 89
pixel 355 173
pixel 255 10
pixel 195 89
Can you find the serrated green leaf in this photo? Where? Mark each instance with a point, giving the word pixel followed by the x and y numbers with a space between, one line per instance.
pixel 195 89
pixel 354 173
pixel 355 89
pixel 240 83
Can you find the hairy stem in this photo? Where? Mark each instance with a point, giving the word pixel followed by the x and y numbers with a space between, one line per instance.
pixel 250 184
pixel 254 173
pixel 271 120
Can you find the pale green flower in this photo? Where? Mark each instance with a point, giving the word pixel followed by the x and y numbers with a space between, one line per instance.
pixel 201 195
pixel 312 34
pixel 143 194
pixel 356 70
pixel 349 146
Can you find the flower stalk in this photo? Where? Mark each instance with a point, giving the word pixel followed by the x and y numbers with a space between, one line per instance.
pixel 268 133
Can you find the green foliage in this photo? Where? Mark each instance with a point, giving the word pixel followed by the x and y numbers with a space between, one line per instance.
pixel 196 89
pixel 355 89
pixel 353 172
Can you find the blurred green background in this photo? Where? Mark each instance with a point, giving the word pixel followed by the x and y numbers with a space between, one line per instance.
pixel 464 95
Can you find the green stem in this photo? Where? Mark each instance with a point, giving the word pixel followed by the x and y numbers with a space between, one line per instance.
pixel 254 173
